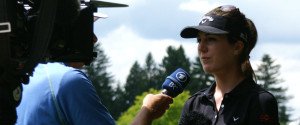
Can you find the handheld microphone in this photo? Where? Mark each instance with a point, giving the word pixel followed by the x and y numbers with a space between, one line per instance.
pixel 176 82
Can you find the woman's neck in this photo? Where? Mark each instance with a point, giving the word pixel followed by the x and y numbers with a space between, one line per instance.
pixel 225 82
pixel 228 80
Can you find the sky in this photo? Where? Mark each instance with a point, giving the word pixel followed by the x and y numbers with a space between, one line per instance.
pixel 129 34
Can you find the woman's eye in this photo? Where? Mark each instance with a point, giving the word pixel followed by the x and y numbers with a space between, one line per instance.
pixel 211 39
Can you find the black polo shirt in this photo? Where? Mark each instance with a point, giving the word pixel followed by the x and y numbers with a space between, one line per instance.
pixel 246 104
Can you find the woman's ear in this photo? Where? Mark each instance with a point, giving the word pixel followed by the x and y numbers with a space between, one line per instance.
pixel 238 47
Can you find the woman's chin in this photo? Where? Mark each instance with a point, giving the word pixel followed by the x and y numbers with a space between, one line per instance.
pixel 207 69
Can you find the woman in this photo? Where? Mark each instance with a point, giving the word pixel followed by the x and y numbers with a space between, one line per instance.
pixel 225 39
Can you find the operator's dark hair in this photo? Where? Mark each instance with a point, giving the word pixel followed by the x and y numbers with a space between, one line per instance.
pixel 241 25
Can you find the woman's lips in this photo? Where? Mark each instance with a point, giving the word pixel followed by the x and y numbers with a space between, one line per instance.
pixel 205 59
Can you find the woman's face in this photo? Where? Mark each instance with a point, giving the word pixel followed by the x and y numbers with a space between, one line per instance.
pixel 216 54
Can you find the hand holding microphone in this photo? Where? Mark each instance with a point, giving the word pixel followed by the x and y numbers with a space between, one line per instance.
pixel 154 106
pixel 157 104
pixel 172 87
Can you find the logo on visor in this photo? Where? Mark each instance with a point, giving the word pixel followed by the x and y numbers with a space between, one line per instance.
pixel 206 18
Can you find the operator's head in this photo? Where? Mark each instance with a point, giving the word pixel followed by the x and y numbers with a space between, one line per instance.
pixel 73 37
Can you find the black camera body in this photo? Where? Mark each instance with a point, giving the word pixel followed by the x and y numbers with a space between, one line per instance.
pixel 38 31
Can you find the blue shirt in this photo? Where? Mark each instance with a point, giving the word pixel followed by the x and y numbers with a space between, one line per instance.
pixel 74 93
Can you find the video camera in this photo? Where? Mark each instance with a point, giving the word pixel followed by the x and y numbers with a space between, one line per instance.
pixel 36 31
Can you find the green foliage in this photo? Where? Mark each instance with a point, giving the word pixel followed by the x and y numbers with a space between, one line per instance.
pixel 128 116
pixel 171 117
pixel 267 77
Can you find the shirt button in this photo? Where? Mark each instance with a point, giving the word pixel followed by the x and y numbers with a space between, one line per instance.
pixel 222 106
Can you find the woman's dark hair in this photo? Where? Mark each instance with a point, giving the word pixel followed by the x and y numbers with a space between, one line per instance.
pixel 242 29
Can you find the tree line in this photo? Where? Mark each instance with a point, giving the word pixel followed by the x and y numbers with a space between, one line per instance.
pixel 151 75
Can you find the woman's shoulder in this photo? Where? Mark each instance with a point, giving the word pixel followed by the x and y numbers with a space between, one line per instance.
pixel 263 94
pixel 265 99
pixel 196 101
pixel 266 105
pixel 254 90
pixel 198 95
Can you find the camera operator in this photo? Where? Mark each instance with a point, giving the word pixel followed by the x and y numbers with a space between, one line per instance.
pixel 60 93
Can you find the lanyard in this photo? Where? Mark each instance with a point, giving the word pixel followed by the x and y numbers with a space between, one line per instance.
pixel 58 111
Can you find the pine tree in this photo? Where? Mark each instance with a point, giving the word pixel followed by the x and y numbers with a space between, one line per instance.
pixel 100 78
pixel 175 58
pixel 267 77
pixel 119 100
pixel 135 83
pixel 152 73
pixel 199 79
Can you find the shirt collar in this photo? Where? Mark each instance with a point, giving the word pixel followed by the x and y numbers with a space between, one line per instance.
pixel 209 93
pixel 243 87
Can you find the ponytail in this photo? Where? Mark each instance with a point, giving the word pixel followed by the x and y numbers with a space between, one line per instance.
pixel 250 43
pixel 247 69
